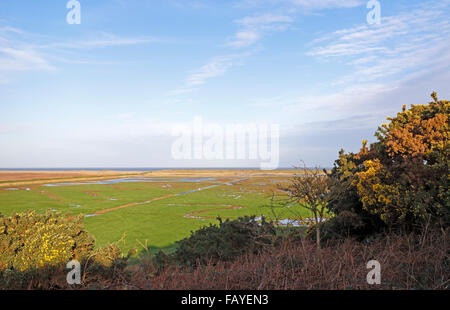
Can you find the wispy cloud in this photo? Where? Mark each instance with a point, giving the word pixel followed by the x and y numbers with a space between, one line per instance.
pixel 400 59
pixel 16 56
pixel 255 27
pixel 348 101
pixel 181 4
pixel 264 19
pixel 252 29
pixel 23 51
pixel 13 59
pixel 303 4
pixel 244 38
pixel 326 4
pixel 104 40
pixel 216 67
pixel 407 43
pixel 389 63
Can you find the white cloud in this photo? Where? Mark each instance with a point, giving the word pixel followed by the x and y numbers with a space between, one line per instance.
pixel 340 104
pixel 22 51
pixel 216 67
pixel 264 19
pixel 12 59
pixel 304 4
pixel 244 38
pixel 255 27
pixel 16 56
pixel 252 29
pixel 182 4
pixel 408 43
pixel 104 40
pixel 397 61
pixel 325 4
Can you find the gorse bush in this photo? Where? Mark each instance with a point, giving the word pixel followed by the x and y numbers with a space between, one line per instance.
pixel 35 248
pixel 30 240
pixel 409 261
pixel 107 255
pixel 399 182
pixel 405 174
pixel 225 241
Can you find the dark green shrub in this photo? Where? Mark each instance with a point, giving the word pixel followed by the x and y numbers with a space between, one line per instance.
pixel 225 241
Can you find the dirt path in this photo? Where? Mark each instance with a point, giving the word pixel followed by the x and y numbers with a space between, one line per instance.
pixel 193 214
pixel 164 197
pixel 132 204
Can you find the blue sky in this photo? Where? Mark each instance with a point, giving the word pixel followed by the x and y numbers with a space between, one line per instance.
pixel 106 92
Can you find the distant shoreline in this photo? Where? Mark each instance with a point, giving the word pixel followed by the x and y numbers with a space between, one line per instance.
pixel 11 177
pixel 140 169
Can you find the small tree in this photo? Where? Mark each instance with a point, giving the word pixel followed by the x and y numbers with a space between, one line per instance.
pixel 309 190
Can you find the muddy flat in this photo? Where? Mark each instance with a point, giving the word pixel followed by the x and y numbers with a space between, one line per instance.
pixel 17 178
pixel 221 173
pixel 35 177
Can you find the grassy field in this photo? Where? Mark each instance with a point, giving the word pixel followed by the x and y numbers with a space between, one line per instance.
pixel 153 212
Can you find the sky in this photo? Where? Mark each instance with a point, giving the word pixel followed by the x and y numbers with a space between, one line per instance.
pixel 107 92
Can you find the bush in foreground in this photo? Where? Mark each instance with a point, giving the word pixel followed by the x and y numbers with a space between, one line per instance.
pixel 226 241
pixel 31 240
pixel 35 248
pixel 407 261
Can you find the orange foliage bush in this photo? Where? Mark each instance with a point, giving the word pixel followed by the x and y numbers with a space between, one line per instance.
pixel 403 178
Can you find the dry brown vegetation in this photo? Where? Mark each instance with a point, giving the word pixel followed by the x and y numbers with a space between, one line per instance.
pixel 407 262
